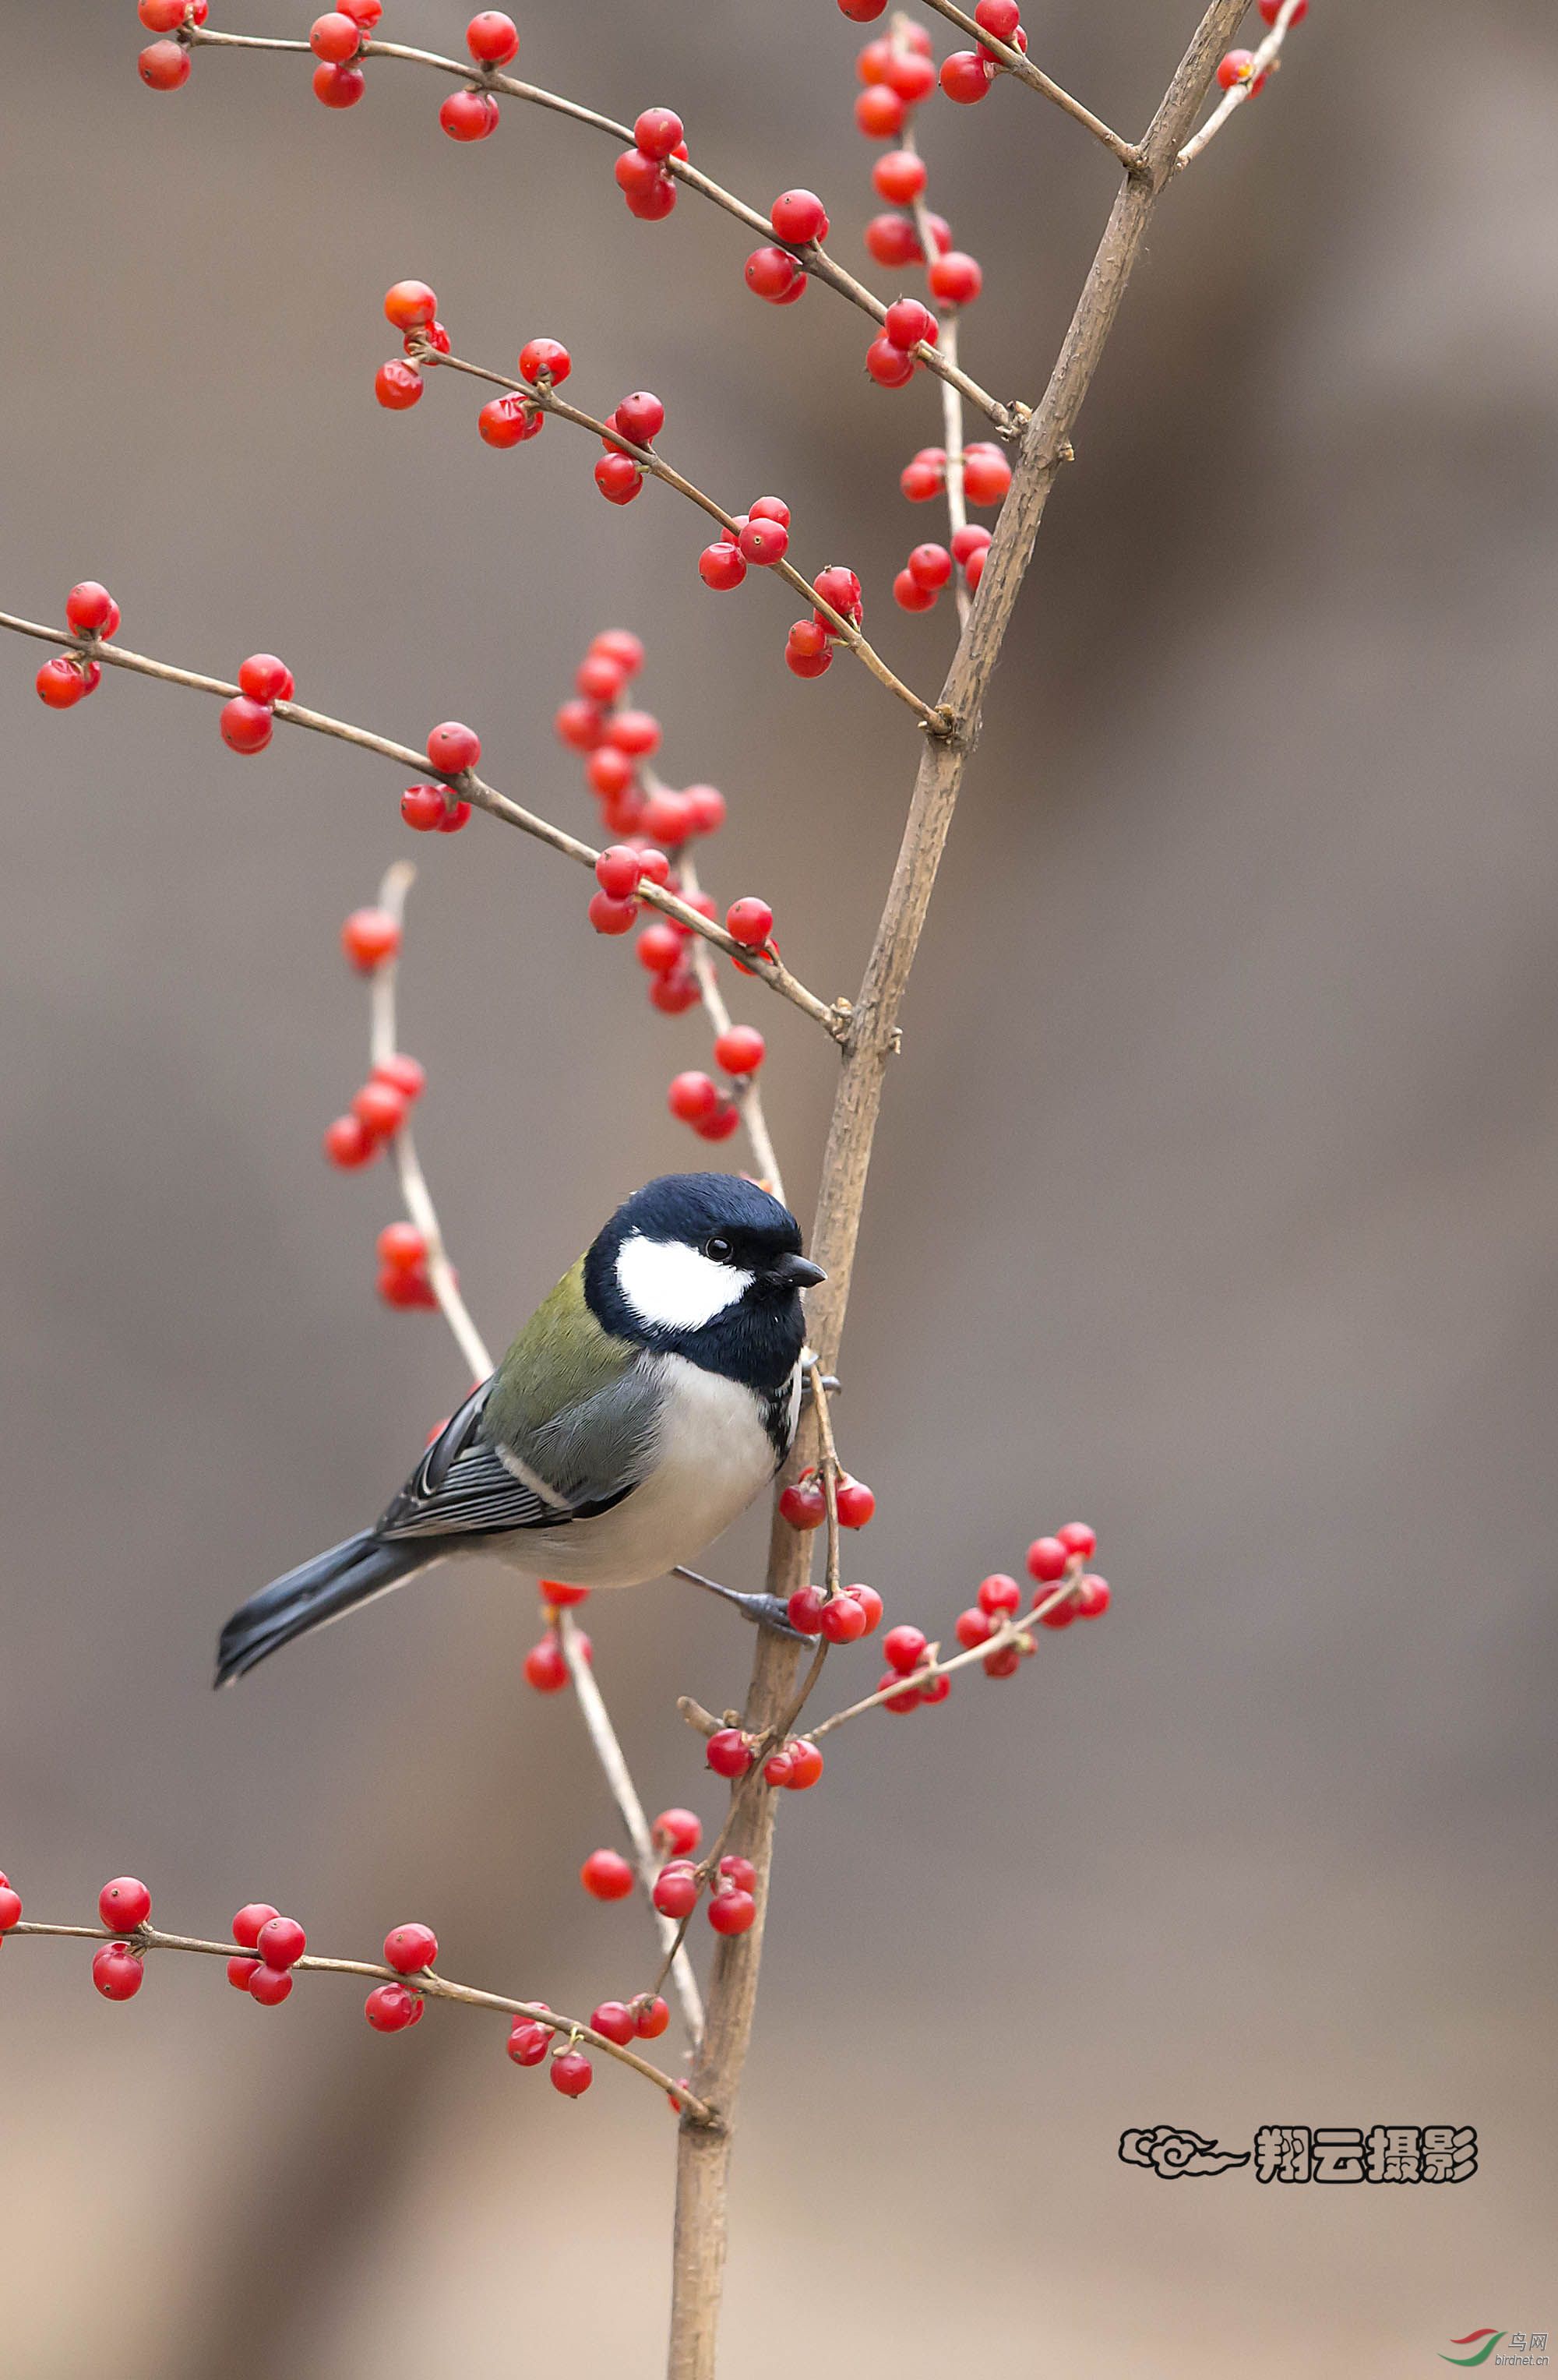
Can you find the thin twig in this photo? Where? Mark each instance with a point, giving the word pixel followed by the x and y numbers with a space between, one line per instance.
pixel 1018 62
pixel 434 1986
pixel 745 1090
pixel 1264 59
pixel 471 788
pixel 608 1751
pixel 543 396
pixel 818 263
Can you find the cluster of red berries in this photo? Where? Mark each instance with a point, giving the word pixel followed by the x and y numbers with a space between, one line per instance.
pixel 637 419
pixel 761 535
pixel 336 40
pixel 796 1765
pixel 805 1505
pixel 1050 1561
pixel 1238 67
pixel 644 2019
pixel 930 567
pixel 269 1948
pixel 412 308
pixel 808 647
pixel 410 1950
pixel 642 172
pixel 165 64
pixel 124 1905
pixel 70 677
pixel 967 75
pixel 987 474
pixel 546 1667
pixel 896 72
pixel 248 721
pixel 697 1099
pixel 843 1619
pixel 511 420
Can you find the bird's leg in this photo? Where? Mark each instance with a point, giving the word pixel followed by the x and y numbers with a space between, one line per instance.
pixel 764 1610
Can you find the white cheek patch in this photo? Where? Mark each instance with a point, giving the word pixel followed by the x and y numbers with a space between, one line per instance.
pixel 672 1287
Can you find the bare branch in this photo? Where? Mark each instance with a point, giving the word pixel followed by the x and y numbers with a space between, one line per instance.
pixel 1019 64
pixel 1265 59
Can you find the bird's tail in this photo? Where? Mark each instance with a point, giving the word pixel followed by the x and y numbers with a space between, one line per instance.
pixel 314 1593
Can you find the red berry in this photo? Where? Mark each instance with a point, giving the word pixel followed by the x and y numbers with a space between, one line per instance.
pixel 741 1049
pixel 666 817
pixel 366 12
pixel 248 1920
pixel 1235 68
pixel 166 15
pixel 879 113
pixel 507 421
pixel 634 731
pixel 369 937
pixel 1061 1615
pixel 862 11
pixel 246 726
pixel 893 240
pixel 422 807
pixel 807 651
pixel 1004 1662
pixel 721 565
pixel 410 305
pixel 693 1098
pixel 410 1949
pixel 163 67
pixel 281 1942
pixel 739 1874
pixel 618 477
pixel 545 1667
pixel 764 541
pixel 1271 10
pixel 798 216
pixel 777 1768
pixel 1047 1558
pixel 908 323
pixel 910 74
pixel 999 1595
pixel 528 2042
pixel 888 365
pixel 401 1248
pixel 969 539
pixel 909 594
pixel 651 2016
pixel 117 1971
pixel 973 1627
pixel 266 679
pixel 61 683
pixel 579 726
pixel 657 131
pixel 908 1700
pixel 615 2020
pixel 600 677
pixel 606 1876
pixel 967 76
pixel 1092 1597
pixel 572 2073
pixel 987 475
pixel 391 2008
pixel 335 38
pixel 238 1972
pixel 468 114
pixel 899 175
pixel 1078 1539
pixel 653 202
pixel 492 38
pixel 803 1504
pixel 732 1913
pixel 616 871
pixel 772 273
pixel 855 1501
pixel 674 1892
pixel 340 87
pixel 677 1831
pixel 749 922
pixel 729 1753
pixel 269 1985
pixel 124 1904
pixel 452 748
pixel 871 1603
pixel 1002 18
pixel 397 385
pixel 660 948
pixel 544 360
pixel 10 1905
pixel 930 566
pixel 640 417
pixel 955 278
pixel 806 1765
pixel 555 1591
pixel 843 1620
pixel 720 1125
pixel 805 1606
pixel 675 991
pixel 346 1145
pixel 936 1690
pixel 92 609
pixel 903 1648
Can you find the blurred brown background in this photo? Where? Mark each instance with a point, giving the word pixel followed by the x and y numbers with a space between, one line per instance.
pixel 1213 1201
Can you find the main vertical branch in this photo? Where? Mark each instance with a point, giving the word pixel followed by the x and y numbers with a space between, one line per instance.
pixel 703 2157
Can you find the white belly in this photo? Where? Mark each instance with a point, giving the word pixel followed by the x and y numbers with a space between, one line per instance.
pixel 713 1456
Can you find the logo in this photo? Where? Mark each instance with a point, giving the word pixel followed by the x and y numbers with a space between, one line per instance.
pixel 1173 2154
pixel 1525 2349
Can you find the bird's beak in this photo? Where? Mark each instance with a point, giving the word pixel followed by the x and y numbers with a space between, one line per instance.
pixel 797 1272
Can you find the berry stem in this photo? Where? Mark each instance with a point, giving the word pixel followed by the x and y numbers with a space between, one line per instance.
pixel 655 465
pixel 471 788
pixel 819 264
pixel 1265 58
pixel 695 2111
pixel 1022 65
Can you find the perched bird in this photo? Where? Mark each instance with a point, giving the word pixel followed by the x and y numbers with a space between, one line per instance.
pixel 644 1405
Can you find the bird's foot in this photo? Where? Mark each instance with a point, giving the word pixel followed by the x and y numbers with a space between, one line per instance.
pixel 763 1610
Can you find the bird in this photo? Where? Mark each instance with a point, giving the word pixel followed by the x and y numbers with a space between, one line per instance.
pixel 648 1399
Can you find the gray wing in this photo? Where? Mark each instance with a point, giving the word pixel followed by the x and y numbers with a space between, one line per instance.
pixel 587 1458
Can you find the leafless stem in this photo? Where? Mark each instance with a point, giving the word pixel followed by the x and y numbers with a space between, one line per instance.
pixel 471 788
pixel 819 264
pixel 544 396
pixel 1019 64
pixel 1266 58
pixel 703 2163
pixel 147 1938
pixel 744 1092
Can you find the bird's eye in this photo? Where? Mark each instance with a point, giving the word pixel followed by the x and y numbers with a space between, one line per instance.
pixel 719 1249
